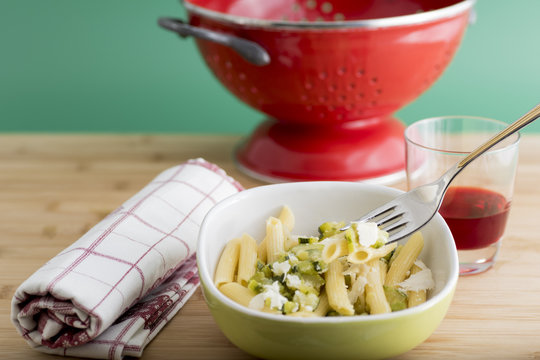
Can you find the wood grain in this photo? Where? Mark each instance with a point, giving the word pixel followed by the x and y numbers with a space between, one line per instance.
pixel 53 188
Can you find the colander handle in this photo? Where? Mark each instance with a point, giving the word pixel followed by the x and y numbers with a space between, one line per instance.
pixel 249 50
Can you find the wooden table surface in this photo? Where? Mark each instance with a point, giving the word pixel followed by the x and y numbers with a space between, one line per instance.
pixel 53 188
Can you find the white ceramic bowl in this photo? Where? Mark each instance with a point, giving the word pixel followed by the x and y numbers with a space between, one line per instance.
pixel 360 337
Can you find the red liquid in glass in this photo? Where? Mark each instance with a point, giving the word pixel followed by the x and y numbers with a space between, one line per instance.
pixel 476 217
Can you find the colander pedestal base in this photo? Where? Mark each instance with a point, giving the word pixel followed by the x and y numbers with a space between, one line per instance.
pixel 366 150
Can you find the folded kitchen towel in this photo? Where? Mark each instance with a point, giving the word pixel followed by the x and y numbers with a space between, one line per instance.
pixel 109 293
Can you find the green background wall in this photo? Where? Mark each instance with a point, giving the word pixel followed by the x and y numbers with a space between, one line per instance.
pixel 105 66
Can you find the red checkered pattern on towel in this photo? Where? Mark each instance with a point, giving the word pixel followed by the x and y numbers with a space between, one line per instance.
pixel 109 293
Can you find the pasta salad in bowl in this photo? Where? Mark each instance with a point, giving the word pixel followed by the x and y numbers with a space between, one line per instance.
pixel 283 280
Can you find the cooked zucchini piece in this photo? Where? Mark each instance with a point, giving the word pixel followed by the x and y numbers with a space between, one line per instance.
pixel 330 228
pixel 308 251
pixel 360 305
pixel 255 286
pixel 396 299
pixel 308 240
pixel 307 301
pixel 306 267
pixel 290 307
pixel 351 237
pixel 314 281
pixel 264 269
pixel 395 254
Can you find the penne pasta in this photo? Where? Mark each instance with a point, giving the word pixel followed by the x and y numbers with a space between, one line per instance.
pixel 360 304
pixel 336 289
pixel 383 265
pixel 335 247
pixel 228 262
pixel 275 241
pixel 261 250
pixel 375 297
pixel 364 254
pixel 357 289
pixel 394 255
pixel 286 217
pixel 360 256
pixel 323 307
pixel 335 273
pixel 404 261
pixel 415 298
pixel 247 260
pixel 290 241
pixel 237 293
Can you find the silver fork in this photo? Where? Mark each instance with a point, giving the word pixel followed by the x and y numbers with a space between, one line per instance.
pixel 412 210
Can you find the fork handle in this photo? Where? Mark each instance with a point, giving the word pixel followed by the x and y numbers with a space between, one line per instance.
pixel 523 121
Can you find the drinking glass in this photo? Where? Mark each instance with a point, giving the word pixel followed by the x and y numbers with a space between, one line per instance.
pixel 477 203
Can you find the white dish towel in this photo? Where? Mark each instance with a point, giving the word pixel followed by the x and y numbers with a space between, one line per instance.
pixel 109 293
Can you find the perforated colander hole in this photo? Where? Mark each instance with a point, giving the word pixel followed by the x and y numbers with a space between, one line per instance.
pixel 254 90
pixel 332 87
pixel 351 86
pixel 373 80
pixel 339 17
pixel 341 71
pixel 322 115
pixel 323 75
pixel 339 116
pixel 242 76
pixel 378 92
pixel 360 73
pixel 309 107
pixel 303 97
pixel 296 7
pixel 311 4
pixel 349 107
pixel 360 96
pixel 308 86
pixel 326 7
pixel 342 98
pixel 323 99
pixel 331 108
pixel 228 65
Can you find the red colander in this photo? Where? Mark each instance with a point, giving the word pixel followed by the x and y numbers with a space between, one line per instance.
pixel 328 74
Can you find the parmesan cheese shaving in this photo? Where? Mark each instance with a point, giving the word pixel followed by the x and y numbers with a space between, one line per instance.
pixel 422 280
pixel 368 233
pixel 281 268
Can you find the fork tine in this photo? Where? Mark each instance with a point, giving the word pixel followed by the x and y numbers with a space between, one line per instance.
pixel 389 220
pixel 397 225
pixel 399 232
pixel 379 213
